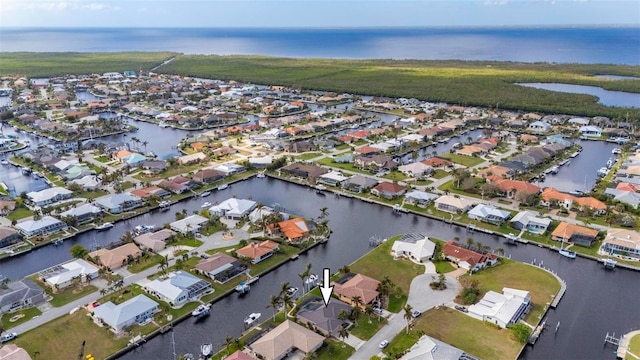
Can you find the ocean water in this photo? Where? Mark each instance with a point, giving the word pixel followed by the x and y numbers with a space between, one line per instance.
pixel 563 45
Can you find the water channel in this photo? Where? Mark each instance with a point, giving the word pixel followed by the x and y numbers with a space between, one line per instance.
pixel 592 305
pixel 605 97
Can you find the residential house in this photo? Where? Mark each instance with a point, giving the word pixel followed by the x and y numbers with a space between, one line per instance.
pixel 189 225
pixel 552 197
pixel 627 197
pixel 359 183
pixel 333 178
pixel 20 294
pixel 178 288
pixel 178 184
pixel 7 206
pixel 437 162
pixel 154 241
pixel 367 150
pixel 527 220
pixel 115 258
pixel 9 236
pixel 590 131
pixel 352 285
pixel 49 196
pixel 208 176
pixel 294 230
pixel 220 267
pixel 539 127
pixel 260 162
pixel 62 276
pixel 502 309
pixel 452 204
pixel 304 171
pixel 258 251
pixel 389 190
pixel 88 183
pixel 155 166
pixel 118 203
pixel 287 338
pixel 83 213
pixel 137 310
pixel 239 355
pixel 151 191
pixel 489 213
pixel 233 208
pixel 419 198
pixel 622 242
pixel 428 348
pixel 592 203
pixel 416 170
pixel 230 169
pixel 498 171
pixel 573 233
pixel 466 258
pixel 325 319
pixel 43 226
pixel 416 247
pixel 509 188
pixel 375 162
pixel 193 158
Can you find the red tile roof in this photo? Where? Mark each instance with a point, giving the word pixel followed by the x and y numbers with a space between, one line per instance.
pixel 453 250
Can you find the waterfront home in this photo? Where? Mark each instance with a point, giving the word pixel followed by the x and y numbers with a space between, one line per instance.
pixel 528 221
pixel 137 310
pixel 558 139
pixel 333 178
pixel 49 196
pixel 260 162
pixel 230 169
pixel 9 236
pixel 233 208
pixel 388 190
pixel 452 204
pixel 500 172
pixel 466 258
pixel 239 355
pixel 88 182
pixel 489 213
pixel 151 191
pixel 630 198
pixel 588 202
pixel 359 183
pixel 294 230
pixel 325 319
pixel 375 162
pixel 288 337
pixel 178 288
pixel 552 197
pixel 367 150
pixel 154 166
pixel 189 225
pixel 590 131
pixel 220 267
pixel 416 170
pixel 208 176
pixel 437 162
pixel 62 276
pixel 303 171
pixel 621 242
pixel 509 188
pixel 193 158
pixel 577 234
pixel 433 349
pixel 118 203
pixel 83 213
pixel 419 198
pixel 578 121
pixel 43 226
pixel 174 186
pixel 539 127
pixel 351 285
pixel 258 251
pixel 435 131
pixel 502 309
pixel 528 139
pixel 117 257
pixel 416 247
pixel 20 294
pixel 154 241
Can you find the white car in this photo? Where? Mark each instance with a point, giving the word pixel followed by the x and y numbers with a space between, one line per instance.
pixel 383 344
pixel 7 337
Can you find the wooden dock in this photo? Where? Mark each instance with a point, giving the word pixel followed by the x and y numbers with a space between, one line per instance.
pixel 537 332
pixel 563 289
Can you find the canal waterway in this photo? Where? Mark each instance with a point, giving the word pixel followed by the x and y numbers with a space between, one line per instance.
pixel 605 97
pixel 585 312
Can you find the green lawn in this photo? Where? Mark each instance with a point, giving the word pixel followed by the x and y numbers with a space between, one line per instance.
pixel 463 160
pixel 343 166
pixel 70 294
pixel 285 253
pixel 365 329
pixel 633 348
pixel 443 267
pixel 541 285
pixel 308 156
pixel 334 350
pixel 395 176
pixel 145 263
pixel 19 213
pixel 102 159
pixel 28 313
pixel 396 302
pixel 192 242
pixel 439 174
pixel 91 194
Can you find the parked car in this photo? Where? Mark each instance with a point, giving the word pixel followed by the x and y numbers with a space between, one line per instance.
pixel 416 313
pixel 461 308
pixel 6 337
pixel 383 344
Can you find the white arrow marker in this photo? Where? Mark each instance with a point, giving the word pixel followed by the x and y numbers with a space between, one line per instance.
pixel 325 289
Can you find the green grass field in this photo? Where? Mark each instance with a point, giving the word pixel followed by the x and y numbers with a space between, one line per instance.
pixel 334 350
pixel 463 160
pixel 633 348
pixel 19 317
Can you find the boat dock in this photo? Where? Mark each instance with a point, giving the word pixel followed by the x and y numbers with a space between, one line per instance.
pixel 623 343
pixel 563 289
pixel 537 331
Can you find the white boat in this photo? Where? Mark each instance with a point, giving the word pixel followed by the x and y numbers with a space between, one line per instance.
pixel 206 205
pixel 312 280
pixel 142 229
pixel 399 208
pixel 553 170
pixel 162 125
pixel 164 205
pixel 292 291
pixel 609 163
pixel 201 310
pixel 616 151
pixel 206 350
pixel 223 187
pixel 25 170
pixel 4 162
pixel 321 188
pixel 104 227
pixel 243 288
pixel 567 253
pixel 512 239
pixel 252 318
pixel 260 175
pixel 609 264
pixel 206 193
pixel 603 171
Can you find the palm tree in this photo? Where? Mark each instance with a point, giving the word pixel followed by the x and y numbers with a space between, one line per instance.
pixel 343 333
pixel 274 304
pixel 164 263
pixel 469 242
pixel 368 310
pixel 499 251
pixel 302 276
pixel 345 269
pixel 287 300
pixel 145 143
pixel 228 341
pixel 284 286
pixel 408 310
pixel 356 301
pixel 103 292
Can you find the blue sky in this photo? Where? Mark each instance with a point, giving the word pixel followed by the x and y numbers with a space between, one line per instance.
pixel 315 13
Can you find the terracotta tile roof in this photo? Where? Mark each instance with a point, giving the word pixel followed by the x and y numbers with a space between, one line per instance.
pixel 256 250
pixel 436 161
pixel 390 187
pixel 549 194
pixel 560 233
pixel 294 229
pixel 591 202
pixel 452 249
pixel 513 185
pixel 115 258
pixel 367 150
pixel 628 187
pixel 359 285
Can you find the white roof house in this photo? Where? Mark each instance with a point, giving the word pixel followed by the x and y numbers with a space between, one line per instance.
pixel 489 213
pixel 529 221
pixel 417 247
pixel 49 196
pixel 189 224
pixel 233 208
pixel 63 275
pixel 452 204
pixel 416 169
pixel 258 214
pixel 428 348
pixel 82 211
pixel 333 178
pixel 412 137
pixel 418 197
pixel 590 130
pixel 46 225
pixel 178 288
pixel 230 168
pixel 118 203
pixel 88 182
pixel 502 309
pixel 263 161
pixel 137 310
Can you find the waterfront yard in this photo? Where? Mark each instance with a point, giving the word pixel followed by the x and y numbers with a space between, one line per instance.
pixel 334 350
pixel 19 317
pixel 633 350
pixel 341 166
pixel 145 263
pixel 463 160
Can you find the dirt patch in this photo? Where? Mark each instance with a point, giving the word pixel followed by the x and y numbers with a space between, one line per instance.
pixel 228 236
pixel 16 317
